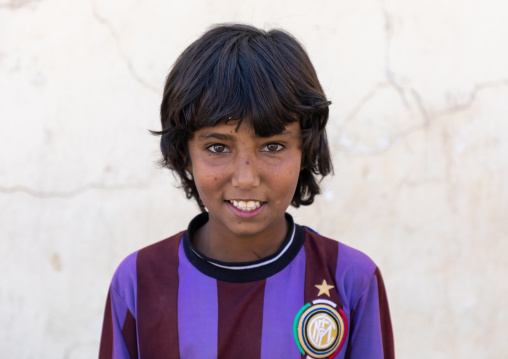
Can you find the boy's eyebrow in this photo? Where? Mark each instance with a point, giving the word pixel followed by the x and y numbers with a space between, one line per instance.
pixel 216 135
pixel 227 137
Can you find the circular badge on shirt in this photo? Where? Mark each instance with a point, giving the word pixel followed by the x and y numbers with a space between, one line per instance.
pixel 319 329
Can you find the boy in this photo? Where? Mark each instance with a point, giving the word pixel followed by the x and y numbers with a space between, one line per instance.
pixel 243 125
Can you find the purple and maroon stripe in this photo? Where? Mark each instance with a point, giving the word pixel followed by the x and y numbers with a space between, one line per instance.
pixel 157 273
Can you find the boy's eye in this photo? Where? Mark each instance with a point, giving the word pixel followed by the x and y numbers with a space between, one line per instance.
pixel 218 148
pixel 272 147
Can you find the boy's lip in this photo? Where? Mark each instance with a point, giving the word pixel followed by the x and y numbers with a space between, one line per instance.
pixel 245 204
pixel 245 200
pixel 245 209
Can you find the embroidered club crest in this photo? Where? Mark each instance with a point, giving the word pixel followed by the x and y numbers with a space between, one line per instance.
pixel 319 329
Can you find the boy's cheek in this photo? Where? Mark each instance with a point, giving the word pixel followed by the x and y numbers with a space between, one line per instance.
pixel 208 180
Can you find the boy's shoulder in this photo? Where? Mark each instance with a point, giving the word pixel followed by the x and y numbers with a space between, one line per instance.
pixel 161 249
pixel 151 257
pixel 353 268
pixel 347 256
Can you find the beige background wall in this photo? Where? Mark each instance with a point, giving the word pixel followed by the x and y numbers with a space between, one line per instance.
pixel 418 129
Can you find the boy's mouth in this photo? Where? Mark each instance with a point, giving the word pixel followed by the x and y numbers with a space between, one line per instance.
pixel 246 205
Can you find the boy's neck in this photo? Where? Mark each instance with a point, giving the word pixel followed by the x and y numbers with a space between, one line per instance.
pixel 219 244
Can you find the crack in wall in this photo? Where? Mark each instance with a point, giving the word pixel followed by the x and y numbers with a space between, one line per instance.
pixel 17 4
pixel 389 73
pixel 71 193
pixel 472 97
pixel 130 66
pixel 429 118
pixel 421 106
pixel 387 144
pixel 404 93
pixel 363 101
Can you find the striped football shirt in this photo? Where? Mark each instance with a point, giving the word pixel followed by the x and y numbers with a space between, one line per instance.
pixel 313 298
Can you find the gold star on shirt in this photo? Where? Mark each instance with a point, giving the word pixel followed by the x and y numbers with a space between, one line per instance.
pixel 324 288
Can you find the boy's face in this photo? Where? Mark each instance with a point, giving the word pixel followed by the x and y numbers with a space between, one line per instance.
pixel 246 182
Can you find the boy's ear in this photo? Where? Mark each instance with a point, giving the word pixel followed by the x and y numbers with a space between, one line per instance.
pixel 187 159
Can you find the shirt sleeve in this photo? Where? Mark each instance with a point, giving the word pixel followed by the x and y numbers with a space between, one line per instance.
pixel 371 333
pixel 119 339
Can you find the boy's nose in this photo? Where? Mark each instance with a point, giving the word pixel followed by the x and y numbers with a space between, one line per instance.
pixel 245 173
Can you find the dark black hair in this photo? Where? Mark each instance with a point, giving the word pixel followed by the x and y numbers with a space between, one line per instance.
pixel 237 72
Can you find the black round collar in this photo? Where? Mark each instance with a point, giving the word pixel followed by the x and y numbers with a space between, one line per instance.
pixel 241 272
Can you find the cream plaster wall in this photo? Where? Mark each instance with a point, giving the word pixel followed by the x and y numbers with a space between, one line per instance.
pixel 418 129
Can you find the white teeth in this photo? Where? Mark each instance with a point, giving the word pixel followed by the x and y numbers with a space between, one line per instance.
pixel 246 206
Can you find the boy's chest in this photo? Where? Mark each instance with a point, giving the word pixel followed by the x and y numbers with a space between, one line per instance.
pixel 216 319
